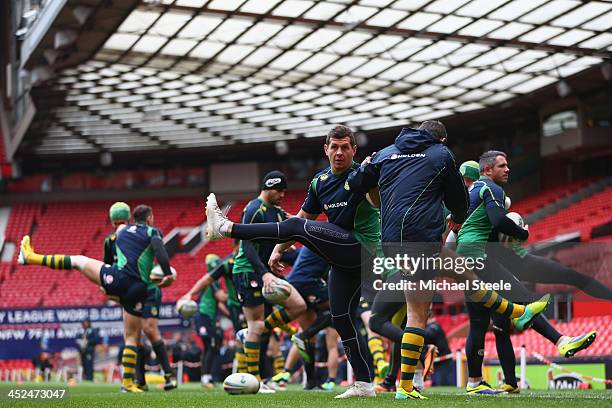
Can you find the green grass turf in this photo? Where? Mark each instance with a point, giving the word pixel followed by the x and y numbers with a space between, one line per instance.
pixel 191 395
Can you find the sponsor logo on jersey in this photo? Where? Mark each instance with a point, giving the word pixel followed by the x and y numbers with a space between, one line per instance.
pixel 395 156
pixel 273 181
pixel 132 229
pixel 335 205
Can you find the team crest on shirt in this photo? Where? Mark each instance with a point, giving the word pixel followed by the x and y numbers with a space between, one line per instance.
pixel 346 186
pixel 108 279
pixel 323 177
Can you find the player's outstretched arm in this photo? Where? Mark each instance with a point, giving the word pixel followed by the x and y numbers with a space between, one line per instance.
pixel 455 193
pixel 198 287
pixel 163 259
pixel 494 205
pixel 364 178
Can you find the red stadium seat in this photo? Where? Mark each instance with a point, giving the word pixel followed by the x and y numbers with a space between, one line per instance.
pixel 580 217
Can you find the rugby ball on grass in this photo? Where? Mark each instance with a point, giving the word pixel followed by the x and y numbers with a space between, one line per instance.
pixel 241 383
pixel 186 308
pixel 518 220
pixel 279 290
pixel 157 274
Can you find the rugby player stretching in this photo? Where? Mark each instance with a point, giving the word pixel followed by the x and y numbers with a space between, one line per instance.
pixel 137 244
pixel 354 224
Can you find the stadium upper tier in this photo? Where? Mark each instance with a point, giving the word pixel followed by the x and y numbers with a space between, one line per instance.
pixel 196 74
pixel 80 228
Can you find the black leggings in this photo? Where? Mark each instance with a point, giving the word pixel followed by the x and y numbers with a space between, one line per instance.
pixel 341 250
pixel 211 349
pixel 395 359
pixel 334 244
pixel 384 307
pixel 481 316
pixel 537 269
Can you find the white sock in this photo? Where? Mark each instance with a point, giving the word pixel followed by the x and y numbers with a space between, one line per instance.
pixel 417 381
pixel 473 384
pixel 364 384
pixel 224 228
pixel 78 262
pixel 205 378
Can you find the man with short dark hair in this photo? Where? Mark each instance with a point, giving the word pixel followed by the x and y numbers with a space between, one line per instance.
pixel 143 215
pixel 487 215
pixel 128 279
pixel 417 175
pixel 353 224
pixel 488 218
pixel 341 132
pixel 250 272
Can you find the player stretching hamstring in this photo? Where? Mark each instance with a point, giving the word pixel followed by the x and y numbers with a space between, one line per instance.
pixel 136 245
pixel 119 214
pixel 353 222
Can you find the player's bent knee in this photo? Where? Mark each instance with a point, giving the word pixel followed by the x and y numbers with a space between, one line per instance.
pixel 376 323
pixel 256 327
pixel 295 304
pixel 294 225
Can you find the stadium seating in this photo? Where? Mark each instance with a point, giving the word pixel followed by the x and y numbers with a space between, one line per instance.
pixel 580 217
pixel 80 228
pixel 590 260
pixel 16 364
pixel 73 228
pixel 535 202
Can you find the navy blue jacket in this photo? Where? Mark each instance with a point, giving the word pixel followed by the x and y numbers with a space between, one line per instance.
pixel 417 176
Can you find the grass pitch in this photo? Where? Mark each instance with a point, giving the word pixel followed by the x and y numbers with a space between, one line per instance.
pixel 191 395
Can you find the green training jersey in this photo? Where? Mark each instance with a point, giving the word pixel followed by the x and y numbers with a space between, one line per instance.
pixel 225 269
pixel 329 193
pixel 477 229
pixel 134 252
pixel 257 211
pixel 207 304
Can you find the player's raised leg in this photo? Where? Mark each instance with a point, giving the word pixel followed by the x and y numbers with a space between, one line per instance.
pixel 90 268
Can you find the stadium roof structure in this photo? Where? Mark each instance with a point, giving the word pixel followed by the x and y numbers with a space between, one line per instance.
pixel 197 73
